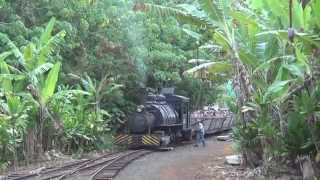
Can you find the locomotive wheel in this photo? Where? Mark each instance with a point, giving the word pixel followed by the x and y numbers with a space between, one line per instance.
pixel 173 137
pixel 187 135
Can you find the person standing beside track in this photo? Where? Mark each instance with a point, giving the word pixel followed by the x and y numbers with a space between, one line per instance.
pixel 200 134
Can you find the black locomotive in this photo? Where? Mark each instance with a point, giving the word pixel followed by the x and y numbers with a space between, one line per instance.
pixel 162 119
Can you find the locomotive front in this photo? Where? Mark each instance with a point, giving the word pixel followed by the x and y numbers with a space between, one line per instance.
pixel 155 113
pixel 141 122
pixel 156 121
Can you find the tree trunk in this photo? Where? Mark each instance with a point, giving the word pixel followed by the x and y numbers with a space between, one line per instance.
pixel 39 130
pixel 30 148
pixel 15 154
pixel 306 167
pixel 244 89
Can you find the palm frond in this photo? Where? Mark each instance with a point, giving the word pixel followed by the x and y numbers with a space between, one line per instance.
pixel 66 93
pixel 248 58
pixel 214 9
pixel 222 40
pixel 74 76
pixel 11 77
pixel 5 83
pixel 4 55
pixel 28 98
pixel 266 65
pixel 29 56
pixel 313 39
pixel 12 47
pixel 47 34
pixel 13 103
pixel 213 48
pixel 33 76
pixel 216 67
pixel 41 69
pixel 88 84
pixel 181 15
pixel 198 61
pixel 48 47
pixel 193 34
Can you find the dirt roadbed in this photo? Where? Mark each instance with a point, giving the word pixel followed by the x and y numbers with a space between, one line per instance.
pixel 185 163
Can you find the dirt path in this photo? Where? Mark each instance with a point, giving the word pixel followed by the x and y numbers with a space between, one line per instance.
pixel 184 163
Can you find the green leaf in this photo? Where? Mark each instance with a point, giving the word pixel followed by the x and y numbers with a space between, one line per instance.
pixel 309 39
pixel 11 77
pixel 248 58
pixel 283 34
pixel 315 13
pixel 212 9
pixel 302 60
pixel 222 40
pixel 5 83
pixel 193 34
pixel 181 15
pixel 298 16
pixel 213 67
pixel 41 69
pixel 49 46
pixel 280 74
pixel 28 54
pixel 50 83
pixel 295 69
pixel 13 103
pixel 13 48
pixel 277 89
pixel 48 31
pixel 64 93
pixel 257 4
pixel 267 64
pixel 4 55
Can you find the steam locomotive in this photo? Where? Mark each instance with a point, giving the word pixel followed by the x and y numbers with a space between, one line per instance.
pixel 162 119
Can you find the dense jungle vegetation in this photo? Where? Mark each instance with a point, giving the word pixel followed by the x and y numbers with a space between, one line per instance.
pixel 72 69
pixel 273 48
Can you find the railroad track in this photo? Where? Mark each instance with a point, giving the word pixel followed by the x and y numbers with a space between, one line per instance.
pixel 105 167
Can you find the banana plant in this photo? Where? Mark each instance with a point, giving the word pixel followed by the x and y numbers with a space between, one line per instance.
pixel 13 108
pixel 15 112
pixel 217 16
pixel 39 71
pixel 97 91
pixel 270 63
pixel 250 44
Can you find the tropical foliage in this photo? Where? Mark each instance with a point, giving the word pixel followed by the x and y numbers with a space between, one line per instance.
pixel 273 47
pixel 71 70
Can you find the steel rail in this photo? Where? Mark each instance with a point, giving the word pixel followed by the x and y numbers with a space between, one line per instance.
pixel 139 153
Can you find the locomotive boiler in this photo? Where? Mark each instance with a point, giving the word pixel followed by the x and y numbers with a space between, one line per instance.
pixel 162 119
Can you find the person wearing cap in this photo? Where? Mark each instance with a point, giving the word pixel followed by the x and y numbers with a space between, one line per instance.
pixel 200 134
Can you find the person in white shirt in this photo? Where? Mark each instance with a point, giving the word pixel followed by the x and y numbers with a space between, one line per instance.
pixel 200 134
